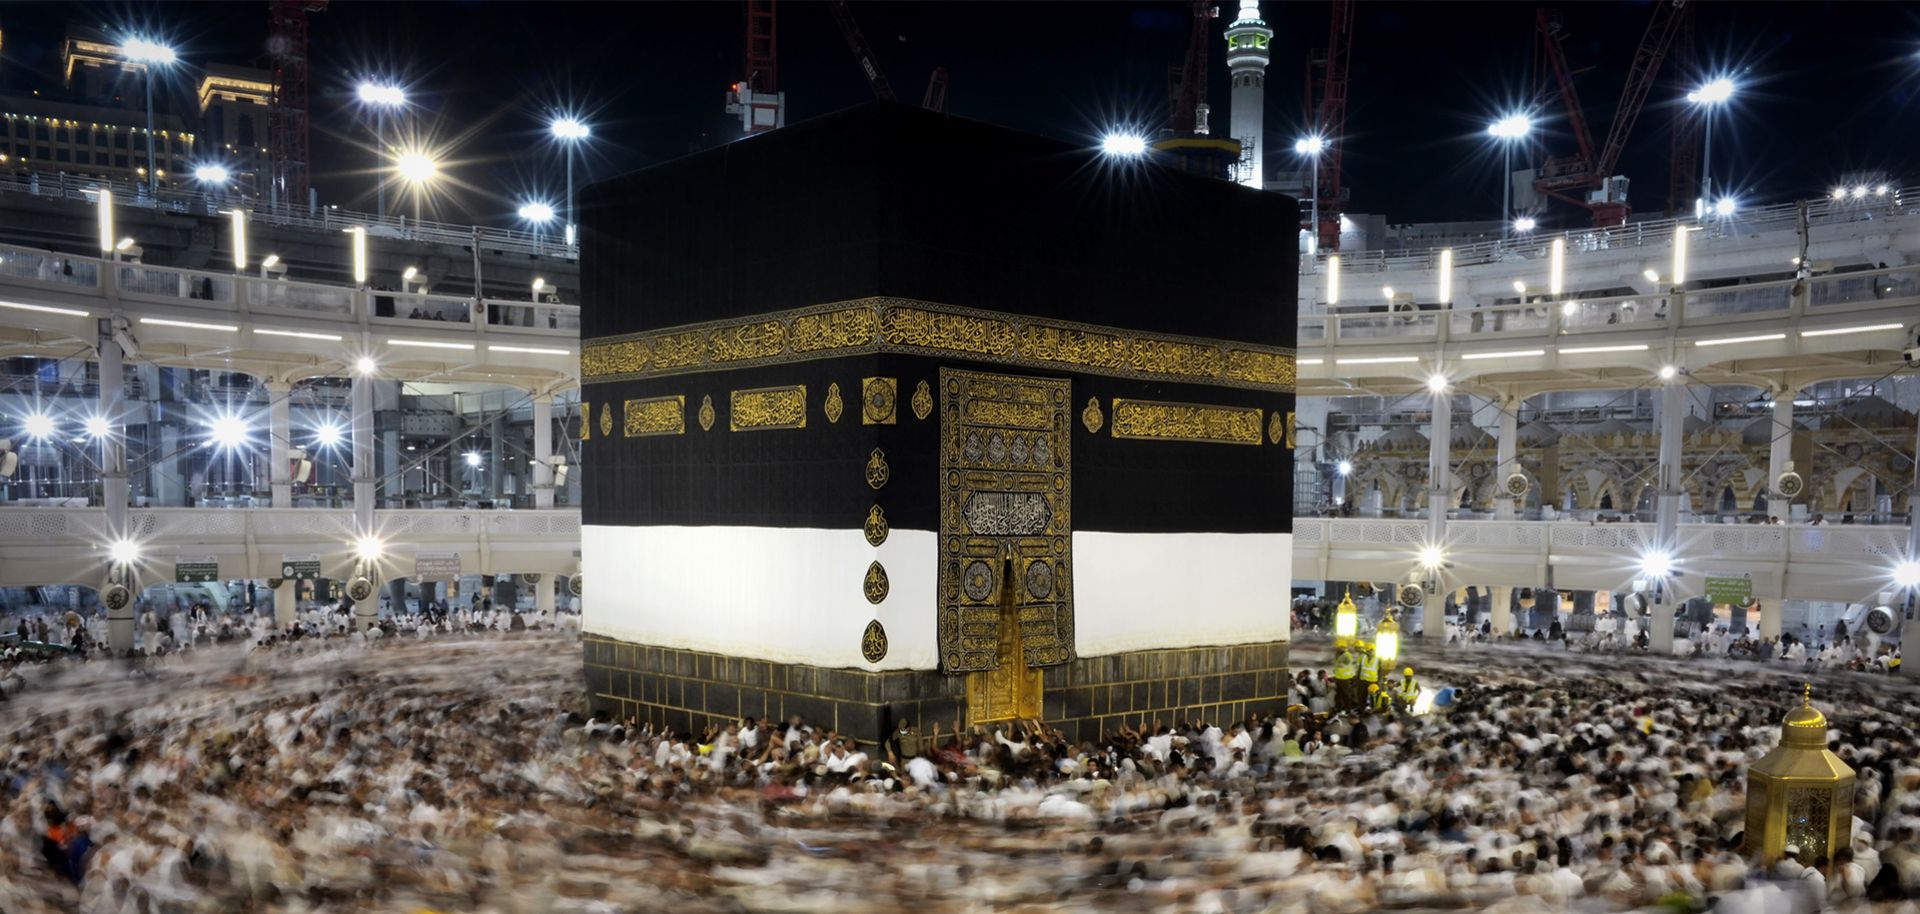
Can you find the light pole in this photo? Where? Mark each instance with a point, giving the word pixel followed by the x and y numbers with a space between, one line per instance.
pixel 149 54
pixel 1311 148
pixel 213 177
pixel 1710 96
pixel 570 131
pixel 380 97
pixel 1508 130
pixel 417 168
pixel 537 214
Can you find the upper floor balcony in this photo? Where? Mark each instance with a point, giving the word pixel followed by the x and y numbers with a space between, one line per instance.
pixel 1605 310
pixel 274 327
pixel 1841 563
pixel 40 546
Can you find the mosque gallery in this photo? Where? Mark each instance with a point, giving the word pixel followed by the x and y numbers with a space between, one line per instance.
pixel 899 416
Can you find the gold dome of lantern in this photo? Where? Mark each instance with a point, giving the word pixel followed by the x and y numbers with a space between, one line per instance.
pixel 1800 793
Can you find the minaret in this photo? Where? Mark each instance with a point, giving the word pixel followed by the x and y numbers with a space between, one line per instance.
pixel 1247 56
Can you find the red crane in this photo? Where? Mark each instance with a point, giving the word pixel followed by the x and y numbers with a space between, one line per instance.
pixel 1572 178
pixel 763 65
pixel 1683 158
pixel 287 118
pixel 1327 110
pixel 756 97
pixel 1187 83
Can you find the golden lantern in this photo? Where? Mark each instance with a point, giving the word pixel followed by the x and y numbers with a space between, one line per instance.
pixel 1386 640
pixel 1346 620
pixel 1801 793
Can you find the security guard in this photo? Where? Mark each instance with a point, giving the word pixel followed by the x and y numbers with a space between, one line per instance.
pixel 1369 667
pixel 1346 695
pixel 1409 690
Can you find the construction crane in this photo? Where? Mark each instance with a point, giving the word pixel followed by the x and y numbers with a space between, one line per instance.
pixel 1587 179
pixel 857 41
pixel 1187 83
pixel 1327 110
pixel 757 97
pixel 936 97
pixel 287 118
pixel 1683 157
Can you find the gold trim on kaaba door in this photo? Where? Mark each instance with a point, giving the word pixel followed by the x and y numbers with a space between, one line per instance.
pixel 900 325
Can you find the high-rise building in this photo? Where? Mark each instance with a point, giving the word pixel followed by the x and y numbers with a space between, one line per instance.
pixel 1248 39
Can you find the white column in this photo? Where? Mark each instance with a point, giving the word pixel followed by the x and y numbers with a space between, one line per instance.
pixel 279 439
pixel 543 593
pixel 113 480
pixel 1506 453
pixel 1780 453
pixel 1666 540
pixel 285 605
pixel 542 459
pixel 1910 633
pixel 365 611
pixel 1502 609
pixel 1439 459
pixel 1772 614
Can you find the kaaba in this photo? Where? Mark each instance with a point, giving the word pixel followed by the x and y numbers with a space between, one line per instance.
pixel 893 414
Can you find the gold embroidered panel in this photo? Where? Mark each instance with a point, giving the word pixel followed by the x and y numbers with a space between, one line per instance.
pixel 1005 518
pixel 1152 420
pixel 910 326
pixel 764 408
pixel 879 400
pixel 655 416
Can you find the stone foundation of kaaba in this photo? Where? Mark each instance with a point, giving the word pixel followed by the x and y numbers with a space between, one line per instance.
pixel 687 690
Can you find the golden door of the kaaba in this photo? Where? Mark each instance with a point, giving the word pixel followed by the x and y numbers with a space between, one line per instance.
pixel 1006 536
pixel 1012 690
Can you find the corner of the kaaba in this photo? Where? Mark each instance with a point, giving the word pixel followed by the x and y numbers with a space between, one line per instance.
pixel 897 414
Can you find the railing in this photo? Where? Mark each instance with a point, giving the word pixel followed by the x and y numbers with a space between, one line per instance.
pixel 1650 233
pixel 38 545
pixel 1894 287
pixel 238 294
pixel 1699 545
pixel 68 187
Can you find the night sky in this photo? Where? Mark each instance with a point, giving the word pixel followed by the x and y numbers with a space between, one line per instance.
pixel 1827 88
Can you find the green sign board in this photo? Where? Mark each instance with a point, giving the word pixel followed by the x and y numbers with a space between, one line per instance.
pixel 1732 590
pixel 204 571
pixel 300 567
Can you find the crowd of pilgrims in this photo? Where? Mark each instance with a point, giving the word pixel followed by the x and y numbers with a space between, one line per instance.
pixel 162 631
pixel 462 773
pixel 1811 648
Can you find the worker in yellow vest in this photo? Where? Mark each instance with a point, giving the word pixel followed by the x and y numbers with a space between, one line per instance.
pixel 1346 694
pixel 1409 690
pixel 1369 668
pixel 1379 701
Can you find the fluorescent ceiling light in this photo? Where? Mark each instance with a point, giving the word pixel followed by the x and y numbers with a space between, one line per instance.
pixel 1517 354
pixel 1313 361
pixel 300 334
pixel 1836 331
pixel 1757 338
pixel 190 325
pixel 1632 347
pixel 534 350
pixel 21 306
pixel 1378 360
pixel 430 344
